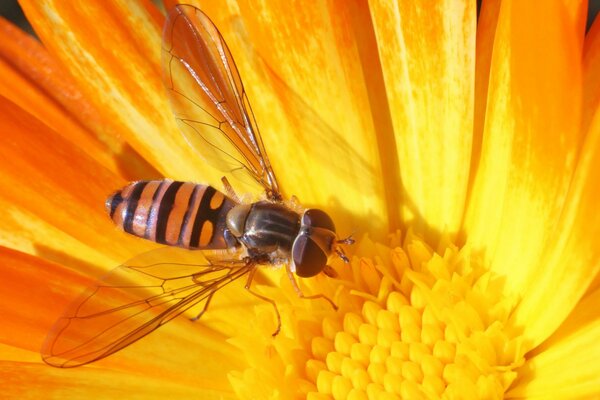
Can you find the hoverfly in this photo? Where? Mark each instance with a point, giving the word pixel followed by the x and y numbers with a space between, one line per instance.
pixel 233 237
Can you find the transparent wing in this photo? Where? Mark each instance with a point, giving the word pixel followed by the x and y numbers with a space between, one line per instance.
pixel 134 300
pixel 209 101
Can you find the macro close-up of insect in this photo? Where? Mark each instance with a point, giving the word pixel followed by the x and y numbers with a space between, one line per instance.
pixel 416 218
pixel 213 238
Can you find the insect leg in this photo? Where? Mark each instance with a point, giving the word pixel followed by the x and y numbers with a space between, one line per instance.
pixel 329 271
pixel 208 299
pixel 247 287
pixel 295 203
pixel 290 275
pixel 199 282
pixel 229 190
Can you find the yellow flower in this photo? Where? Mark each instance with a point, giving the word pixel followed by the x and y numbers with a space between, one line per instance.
pixel 477 138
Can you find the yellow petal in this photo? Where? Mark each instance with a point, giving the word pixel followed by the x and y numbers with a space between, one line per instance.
pixel 566 366
pixel 304 69
pixel 530 141
pixel 571 264
pixel 117 67
pixel 427 56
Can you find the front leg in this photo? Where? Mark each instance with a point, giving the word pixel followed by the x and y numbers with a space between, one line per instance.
pixel 290 275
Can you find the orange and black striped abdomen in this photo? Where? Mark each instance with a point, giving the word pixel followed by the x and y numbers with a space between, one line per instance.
pixel 175 213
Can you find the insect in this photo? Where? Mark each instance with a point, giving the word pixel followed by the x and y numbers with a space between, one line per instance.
pixel 224 237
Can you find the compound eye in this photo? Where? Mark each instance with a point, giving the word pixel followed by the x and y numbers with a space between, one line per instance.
pixel 318 219
pixel 308 257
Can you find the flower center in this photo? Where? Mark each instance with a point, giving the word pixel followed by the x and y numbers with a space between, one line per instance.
pixel 412 324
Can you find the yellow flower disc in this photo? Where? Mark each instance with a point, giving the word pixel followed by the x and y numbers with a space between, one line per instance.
pixel 411 324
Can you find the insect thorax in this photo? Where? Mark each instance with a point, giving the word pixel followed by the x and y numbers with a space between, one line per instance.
pixel 265 227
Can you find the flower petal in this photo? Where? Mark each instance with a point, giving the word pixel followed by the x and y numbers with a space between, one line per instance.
pixel 53 197
pixel 304 69
pixel 32 80
pixel 486 32
pixel 117 67
pixel 577 10
pixel 182 353
pixel 36 381
pixel 427 56
pixel 531 138
pixel 571 265
pixel 30 291
pixel 566 366
pixel 591 74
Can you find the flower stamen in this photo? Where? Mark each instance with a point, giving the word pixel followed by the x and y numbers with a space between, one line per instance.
pixel 412 324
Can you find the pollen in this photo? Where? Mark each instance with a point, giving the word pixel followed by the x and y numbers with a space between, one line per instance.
pixel 412 323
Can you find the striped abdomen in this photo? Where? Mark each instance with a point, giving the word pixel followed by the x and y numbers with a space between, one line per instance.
pixel 175 213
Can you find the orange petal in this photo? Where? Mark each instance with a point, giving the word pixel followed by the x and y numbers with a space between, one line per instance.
pixel 32 80
pixel 39 381
pixel 37 292
pixel 53 196
pixel 571 264
pixel 33 297
pixel 117 67
pixel 577 10
pixel 305 70
pixel 427 56
pixel 591 74
pixel 486 32
pixel 531 140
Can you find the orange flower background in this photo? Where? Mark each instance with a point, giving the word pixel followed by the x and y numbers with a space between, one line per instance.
pixel 476 136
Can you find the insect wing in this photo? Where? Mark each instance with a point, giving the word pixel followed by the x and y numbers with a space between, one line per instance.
pixel 209 100
pixel 133 300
